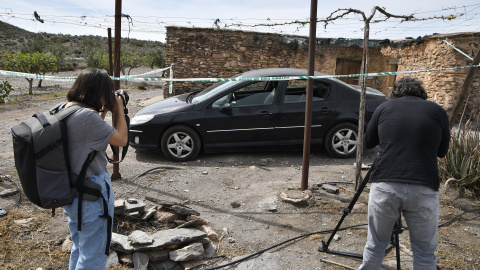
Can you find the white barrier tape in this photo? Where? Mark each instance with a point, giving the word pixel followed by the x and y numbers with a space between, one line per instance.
pixel 170 85
pixel 148 73
pixel 37 76
pixel 458 50
pixel 53 78
pixel 284 78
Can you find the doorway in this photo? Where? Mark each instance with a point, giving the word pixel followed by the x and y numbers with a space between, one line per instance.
pixel 348 66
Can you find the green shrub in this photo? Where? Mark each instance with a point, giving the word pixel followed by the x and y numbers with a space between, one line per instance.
pixel 462 162
pixel 138 43
pixel 5 89
pixel 37 45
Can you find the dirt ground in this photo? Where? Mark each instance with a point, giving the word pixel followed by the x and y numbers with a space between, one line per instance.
pixel 236 193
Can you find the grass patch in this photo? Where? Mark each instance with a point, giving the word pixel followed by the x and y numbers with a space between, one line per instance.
pixel 142 86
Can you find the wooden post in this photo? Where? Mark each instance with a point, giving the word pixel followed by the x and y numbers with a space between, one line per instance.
pixel 465 89
pixel 116 83
pixel 110 60
pixel 308 106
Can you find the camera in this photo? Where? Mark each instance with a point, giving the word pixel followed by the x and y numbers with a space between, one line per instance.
pixel 125 94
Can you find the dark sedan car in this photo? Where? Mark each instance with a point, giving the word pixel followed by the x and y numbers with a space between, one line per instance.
pixel 241 115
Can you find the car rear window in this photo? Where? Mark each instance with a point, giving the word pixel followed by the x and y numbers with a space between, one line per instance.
pixel 296 91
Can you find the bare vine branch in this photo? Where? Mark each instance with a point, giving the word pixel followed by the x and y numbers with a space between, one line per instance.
pixel 343 12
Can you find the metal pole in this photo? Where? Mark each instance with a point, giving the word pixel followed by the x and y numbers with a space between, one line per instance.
pixel 116 83
pixel 308 107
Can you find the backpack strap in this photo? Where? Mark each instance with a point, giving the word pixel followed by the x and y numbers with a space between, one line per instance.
pixel 105 215
pixel 42 119
pixel 60 112
pixel 82 189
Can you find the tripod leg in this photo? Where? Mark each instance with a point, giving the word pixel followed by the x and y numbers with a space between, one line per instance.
pixel 397 229
pixel 397 250
pixel 346 211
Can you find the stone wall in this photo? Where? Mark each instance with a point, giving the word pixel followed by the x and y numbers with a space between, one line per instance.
pixel 201 53
pixel 443 87
pixel 211 53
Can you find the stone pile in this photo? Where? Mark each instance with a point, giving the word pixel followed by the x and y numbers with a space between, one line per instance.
pixel 186 243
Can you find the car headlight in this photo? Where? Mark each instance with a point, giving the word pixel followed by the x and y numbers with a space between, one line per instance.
pixel 140 119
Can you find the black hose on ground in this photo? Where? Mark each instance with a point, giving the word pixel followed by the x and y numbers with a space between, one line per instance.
pixel 157 168
pixel 18 187
pixel 303 235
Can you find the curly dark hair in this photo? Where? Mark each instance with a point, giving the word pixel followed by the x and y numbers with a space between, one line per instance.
pixel 90 87
pixel 408 86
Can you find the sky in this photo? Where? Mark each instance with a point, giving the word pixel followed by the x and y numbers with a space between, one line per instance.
pixel 147 20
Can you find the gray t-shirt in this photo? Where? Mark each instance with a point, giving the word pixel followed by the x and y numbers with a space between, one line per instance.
pixel 87 131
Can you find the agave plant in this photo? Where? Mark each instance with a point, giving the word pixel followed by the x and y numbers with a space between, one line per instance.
pixel 462 162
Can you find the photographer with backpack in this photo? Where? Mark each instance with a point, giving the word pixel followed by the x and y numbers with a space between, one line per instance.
pixel 90 222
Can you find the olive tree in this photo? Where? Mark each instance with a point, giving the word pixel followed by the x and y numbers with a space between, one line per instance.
pixel 154 58
pixel 34 63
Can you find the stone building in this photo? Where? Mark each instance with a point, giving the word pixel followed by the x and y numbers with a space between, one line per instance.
pixel 213 53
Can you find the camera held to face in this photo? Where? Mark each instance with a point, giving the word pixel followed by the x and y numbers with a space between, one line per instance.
pixel 125 96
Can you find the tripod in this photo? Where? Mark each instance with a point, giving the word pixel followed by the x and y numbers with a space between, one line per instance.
pixel 394 240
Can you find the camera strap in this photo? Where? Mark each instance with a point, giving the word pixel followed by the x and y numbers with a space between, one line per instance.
pixel 124 148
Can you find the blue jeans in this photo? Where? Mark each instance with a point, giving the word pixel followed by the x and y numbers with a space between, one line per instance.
pixel 88 251
pixel 419 205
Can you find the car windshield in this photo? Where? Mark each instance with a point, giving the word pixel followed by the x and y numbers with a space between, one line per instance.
pixel 213 90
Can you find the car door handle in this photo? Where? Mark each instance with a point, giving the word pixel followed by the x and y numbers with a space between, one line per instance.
pixel 325 110
pixel 266 112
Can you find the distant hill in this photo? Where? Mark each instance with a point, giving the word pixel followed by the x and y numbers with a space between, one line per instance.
pixel 12 38
pixel 8 31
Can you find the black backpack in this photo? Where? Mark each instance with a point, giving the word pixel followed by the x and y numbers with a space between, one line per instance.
pixel 41 159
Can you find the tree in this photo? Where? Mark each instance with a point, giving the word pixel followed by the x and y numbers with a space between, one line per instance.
pixel 5 60
pixel 34 63
pixel 97 57
pixel 38 45
pixel 129 60
pixel 340 13
pixel 154 58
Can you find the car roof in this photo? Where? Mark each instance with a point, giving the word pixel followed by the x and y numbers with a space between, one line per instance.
pixel 275 72
pixel 280 72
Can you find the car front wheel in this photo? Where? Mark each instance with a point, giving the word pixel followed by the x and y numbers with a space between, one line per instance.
pixel 180 143
pixel 341 140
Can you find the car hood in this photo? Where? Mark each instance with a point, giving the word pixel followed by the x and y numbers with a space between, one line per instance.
pixel 169 105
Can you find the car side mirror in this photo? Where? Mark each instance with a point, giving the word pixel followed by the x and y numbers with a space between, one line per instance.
pixel 226 108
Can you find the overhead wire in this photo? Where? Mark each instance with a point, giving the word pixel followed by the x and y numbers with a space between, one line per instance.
pixel 343 27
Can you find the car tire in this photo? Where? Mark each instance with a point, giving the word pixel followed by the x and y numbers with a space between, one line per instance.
pixel 341 140
pixel 180 143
